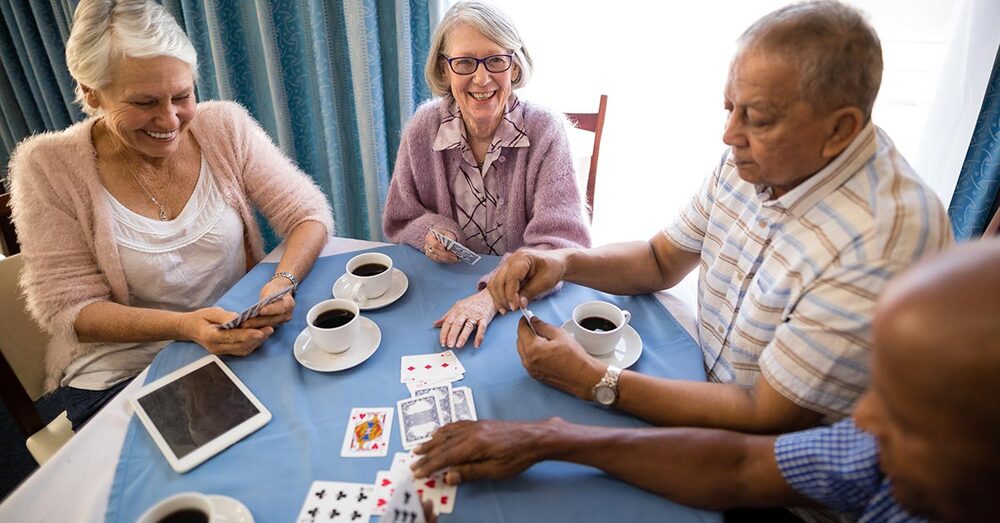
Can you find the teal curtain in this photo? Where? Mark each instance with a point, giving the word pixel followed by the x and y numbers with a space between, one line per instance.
pixel 977 194
pixel 333 82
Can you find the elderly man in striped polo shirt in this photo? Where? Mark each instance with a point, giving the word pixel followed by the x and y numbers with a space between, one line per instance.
pixel 922 442
pixel 795 233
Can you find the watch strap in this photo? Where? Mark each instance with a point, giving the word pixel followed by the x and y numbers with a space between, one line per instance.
pixel 288 276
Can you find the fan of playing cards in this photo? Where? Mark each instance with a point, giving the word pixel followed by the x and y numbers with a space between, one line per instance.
pixel 463 252
pixel 395 494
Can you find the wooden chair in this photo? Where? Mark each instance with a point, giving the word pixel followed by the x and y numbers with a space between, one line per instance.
pixel 593 122
pixel 22 369
pixel 8 239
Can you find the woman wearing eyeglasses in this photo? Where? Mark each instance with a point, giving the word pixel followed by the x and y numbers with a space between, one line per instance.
pixel 479 165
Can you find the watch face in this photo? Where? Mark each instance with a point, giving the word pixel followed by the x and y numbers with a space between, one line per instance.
pixel 604 395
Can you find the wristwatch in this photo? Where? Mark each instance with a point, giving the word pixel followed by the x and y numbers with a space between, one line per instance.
pixel 288 276
pixel 605 393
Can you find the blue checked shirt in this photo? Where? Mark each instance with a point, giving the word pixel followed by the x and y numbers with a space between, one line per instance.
pixel 837 466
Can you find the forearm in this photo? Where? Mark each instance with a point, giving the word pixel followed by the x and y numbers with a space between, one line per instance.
pixel 620 268
pixel 302 248
pixel 113 322
pixel 677 403
pixel 701 467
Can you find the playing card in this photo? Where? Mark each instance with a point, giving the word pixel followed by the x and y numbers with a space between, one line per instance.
pixel 404 504
pixel 337 501
pixel 464 253
pixel 434 489
pixel 418 419
pixel 385 485
pixel 414 386
pixel 430 368
pixel 462 404
pixel 458 249
pixel 443 395
pixel 367 433
pixel 254 310
pixel 401 460
pixel 527 317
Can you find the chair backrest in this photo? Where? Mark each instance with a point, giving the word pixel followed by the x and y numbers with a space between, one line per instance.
pixel 8 238
pixel 22 345
pixel 593 122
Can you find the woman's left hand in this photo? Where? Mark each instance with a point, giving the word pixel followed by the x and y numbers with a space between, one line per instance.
pixel 276 313
pixel 466 315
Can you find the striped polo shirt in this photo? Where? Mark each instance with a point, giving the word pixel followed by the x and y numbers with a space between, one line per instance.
pixel 788 285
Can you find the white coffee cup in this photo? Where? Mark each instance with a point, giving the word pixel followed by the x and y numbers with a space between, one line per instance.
pixel 177 503
pixel 368 287
pixel 335 339
pixel 599 342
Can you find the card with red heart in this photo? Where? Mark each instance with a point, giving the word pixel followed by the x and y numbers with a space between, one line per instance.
pixel 367 433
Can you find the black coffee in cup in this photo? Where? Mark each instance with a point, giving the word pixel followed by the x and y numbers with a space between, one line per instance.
pixel 333 318
pixel 597 324
pixel 185 515
pixel 369 269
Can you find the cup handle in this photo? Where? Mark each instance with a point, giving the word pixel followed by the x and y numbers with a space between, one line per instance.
pixel 354 291
pixel 627 315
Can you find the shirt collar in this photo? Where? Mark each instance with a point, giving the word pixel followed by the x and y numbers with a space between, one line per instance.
pixel 510 132
pixel 802 198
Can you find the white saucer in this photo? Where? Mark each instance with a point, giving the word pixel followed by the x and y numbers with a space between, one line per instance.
pixel 627 351
pixel 398 287
pixel 229 510
pixel 318 360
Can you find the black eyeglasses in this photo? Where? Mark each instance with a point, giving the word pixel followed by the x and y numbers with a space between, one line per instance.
pixel 466 65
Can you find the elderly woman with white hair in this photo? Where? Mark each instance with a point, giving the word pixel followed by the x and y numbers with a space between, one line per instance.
pixel 480 165
pixel 136 220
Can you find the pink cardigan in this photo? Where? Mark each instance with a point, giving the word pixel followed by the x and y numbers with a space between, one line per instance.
pixel 538 186
pixel 64 222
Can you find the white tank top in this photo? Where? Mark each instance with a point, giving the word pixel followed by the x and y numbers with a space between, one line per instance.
pixel 181 265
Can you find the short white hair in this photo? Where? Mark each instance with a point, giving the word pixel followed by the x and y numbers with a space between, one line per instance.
pixel 107 29
pixel 492 23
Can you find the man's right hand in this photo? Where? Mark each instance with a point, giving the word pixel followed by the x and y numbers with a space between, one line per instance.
pixel 525 274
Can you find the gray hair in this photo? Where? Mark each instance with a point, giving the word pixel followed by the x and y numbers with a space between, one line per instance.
pixel 106 29
pixel 837 52
pixel 491 23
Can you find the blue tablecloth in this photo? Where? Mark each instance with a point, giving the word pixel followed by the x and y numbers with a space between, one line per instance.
pixel 271 470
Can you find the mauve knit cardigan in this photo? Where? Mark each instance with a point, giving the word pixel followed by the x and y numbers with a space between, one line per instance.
pixel 539 195
pixel 64 221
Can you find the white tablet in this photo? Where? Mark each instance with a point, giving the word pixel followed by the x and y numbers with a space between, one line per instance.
pixel 198 411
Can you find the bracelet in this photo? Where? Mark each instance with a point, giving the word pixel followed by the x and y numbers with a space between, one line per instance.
pixel 288 276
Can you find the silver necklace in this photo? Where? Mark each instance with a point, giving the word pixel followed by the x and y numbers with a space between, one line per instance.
pixel 163 212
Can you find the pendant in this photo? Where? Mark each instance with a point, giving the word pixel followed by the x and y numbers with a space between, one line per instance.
pixel 163 215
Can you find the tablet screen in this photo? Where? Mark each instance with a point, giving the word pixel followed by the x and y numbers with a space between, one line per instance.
pixel 197 408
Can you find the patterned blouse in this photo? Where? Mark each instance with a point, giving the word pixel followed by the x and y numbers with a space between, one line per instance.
pixel 474 187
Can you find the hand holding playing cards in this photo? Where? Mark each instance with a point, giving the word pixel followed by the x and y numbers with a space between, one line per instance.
pixel 275 313
pixel 466 315
pixel 489 449
pixel 436 251
pixel 201 327
pixel 525 274
pixel 555 358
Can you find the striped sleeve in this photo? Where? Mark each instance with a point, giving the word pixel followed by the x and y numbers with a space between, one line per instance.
pixel 836 466
pixel 819 357
pixel 688 230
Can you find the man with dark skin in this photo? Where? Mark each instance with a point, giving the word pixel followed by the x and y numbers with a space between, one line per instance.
pixel 922 441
